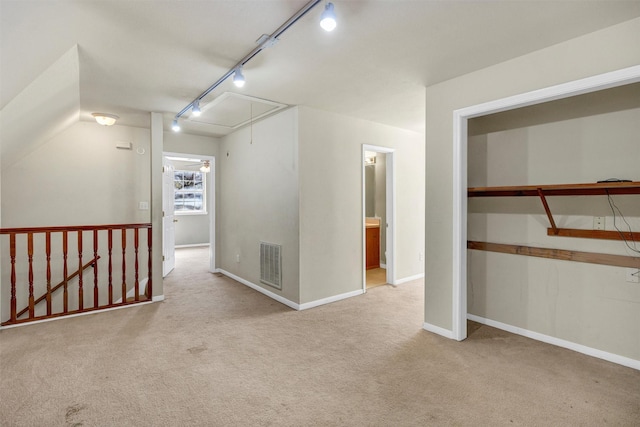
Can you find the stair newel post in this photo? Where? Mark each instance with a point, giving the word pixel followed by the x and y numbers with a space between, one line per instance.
pixel 149 291
pixel 110 250
pixel 135 248
pixel 95 269
pixel 12 254
pixel 124 265
pixel 48 255
pixel 80 276
pixel 65 271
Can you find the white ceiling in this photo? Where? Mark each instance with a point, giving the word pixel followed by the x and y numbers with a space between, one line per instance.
pixel 141 56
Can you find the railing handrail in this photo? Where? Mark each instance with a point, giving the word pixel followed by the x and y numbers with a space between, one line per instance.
pixel 59 285
pixel 22 230
pixel 46 233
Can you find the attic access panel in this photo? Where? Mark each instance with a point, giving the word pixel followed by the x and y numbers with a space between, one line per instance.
pixel 232 110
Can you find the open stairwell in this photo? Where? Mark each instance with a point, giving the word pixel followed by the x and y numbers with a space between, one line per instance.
pixel 36 274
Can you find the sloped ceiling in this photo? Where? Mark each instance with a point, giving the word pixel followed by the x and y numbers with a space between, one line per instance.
pixel 141 56
pixel 47 106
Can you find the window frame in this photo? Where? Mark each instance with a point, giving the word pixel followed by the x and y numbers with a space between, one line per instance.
pixel 203 191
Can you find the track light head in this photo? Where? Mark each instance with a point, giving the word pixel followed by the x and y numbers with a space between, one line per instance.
pixel 195 110
pixel 238 77
pixel 175 126
pixel 328 18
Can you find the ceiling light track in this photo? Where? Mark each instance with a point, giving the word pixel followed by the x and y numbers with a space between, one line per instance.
pixel 236 71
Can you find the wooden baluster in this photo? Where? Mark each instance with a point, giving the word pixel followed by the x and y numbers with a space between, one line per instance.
pixel 30 260
pixel 149 291
pixel 80 289
pixel 110 234
pixel 48 255
pixel 65 272
pixel 135 248
pixel 95 269
pixel 124 265
pixel 12 254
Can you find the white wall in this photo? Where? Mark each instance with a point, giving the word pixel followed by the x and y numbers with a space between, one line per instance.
pixel 259 199
pixel 331 231
pixel 606 50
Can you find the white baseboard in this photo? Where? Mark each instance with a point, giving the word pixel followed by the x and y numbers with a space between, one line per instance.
pixel 194 245
pixel 288 303
pixel 437 330
pixel 383 266
pixel 409 279
pixel 620 360
pixel 316 303
pixel 260 289
pixel 154 299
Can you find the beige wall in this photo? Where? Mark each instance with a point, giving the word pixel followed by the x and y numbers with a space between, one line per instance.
pixel 381 202
pixel 78 177
pixel 607 50
pixel 259 199
pixel 331 254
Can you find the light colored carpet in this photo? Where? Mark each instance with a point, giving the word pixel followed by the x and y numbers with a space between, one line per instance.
pixel 217 353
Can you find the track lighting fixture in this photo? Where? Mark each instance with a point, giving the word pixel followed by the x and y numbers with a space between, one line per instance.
pixel 238 77
pixel 195 110
pixel 328 18
pixel 327 22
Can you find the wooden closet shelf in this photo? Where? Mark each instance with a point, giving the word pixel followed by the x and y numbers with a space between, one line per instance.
pixel 595 189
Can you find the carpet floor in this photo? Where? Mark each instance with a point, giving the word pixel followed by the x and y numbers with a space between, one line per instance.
pixel 217 353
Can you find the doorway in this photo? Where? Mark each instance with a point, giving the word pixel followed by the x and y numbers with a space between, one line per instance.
pixel 194 205
pixel 378 216
pixel 460 118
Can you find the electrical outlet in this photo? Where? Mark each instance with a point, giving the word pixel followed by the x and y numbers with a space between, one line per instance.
pixel 633 275
pixel 420 256
pixel 143 206
pixel 598 223
pixel 237 257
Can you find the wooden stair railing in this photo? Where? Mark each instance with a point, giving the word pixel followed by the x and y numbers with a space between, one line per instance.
pixel 102 280
pixel 47 295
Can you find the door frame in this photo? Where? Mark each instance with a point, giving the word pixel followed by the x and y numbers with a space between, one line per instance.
pixel 390 213
pixel 460 117
pixel 211 201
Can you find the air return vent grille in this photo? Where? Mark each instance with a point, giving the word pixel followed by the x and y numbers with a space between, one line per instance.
pixel 271 264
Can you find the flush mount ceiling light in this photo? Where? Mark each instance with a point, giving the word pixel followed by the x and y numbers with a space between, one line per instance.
pixel 328 19
pixel 238 77
pixel 105 119
pixel 328 22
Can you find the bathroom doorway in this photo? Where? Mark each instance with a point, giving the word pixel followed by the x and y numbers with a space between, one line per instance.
pixel 378 216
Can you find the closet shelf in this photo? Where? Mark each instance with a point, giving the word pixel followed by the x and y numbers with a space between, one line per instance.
pixel 595 189
pixel 542 191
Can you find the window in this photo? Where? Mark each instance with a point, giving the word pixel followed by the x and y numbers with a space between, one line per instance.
pixel 189 192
